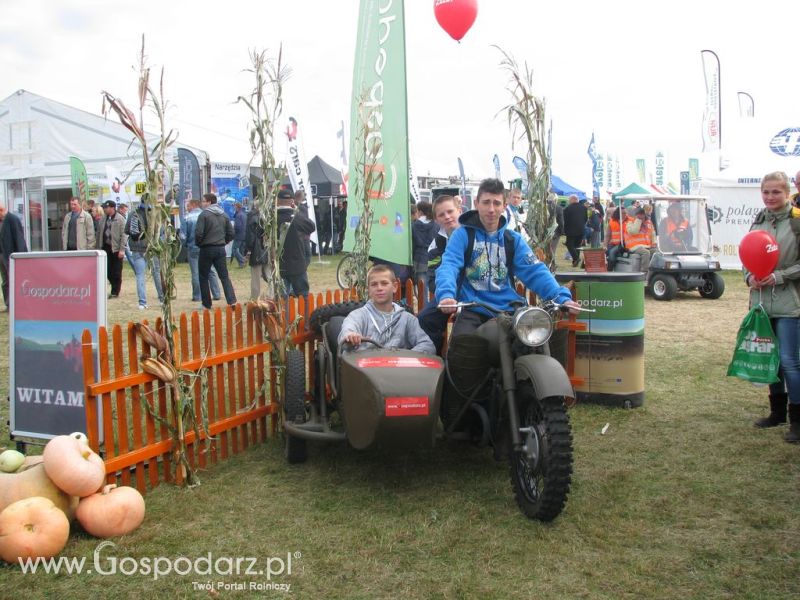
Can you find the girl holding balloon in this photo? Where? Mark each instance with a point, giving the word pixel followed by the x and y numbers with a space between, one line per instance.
pixel 772 271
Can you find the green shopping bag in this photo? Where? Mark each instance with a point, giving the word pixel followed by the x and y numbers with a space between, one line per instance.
pixel 756 357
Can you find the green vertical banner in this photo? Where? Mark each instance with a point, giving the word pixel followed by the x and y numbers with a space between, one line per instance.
pixel 640 170
pixel 378 113
pixel 694 168
pixel 80 182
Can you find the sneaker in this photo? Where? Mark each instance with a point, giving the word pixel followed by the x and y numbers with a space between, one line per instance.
pixel 216 298
pixel 143 306
pixel 112 296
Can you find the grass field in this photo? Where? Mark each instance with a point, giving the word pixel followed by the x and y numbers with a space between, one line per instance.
pixel 681 498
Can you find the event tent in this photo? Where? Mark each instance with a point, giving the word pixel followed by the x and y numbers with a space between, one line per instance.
pixel 633 188
pixel 326 181
pixel 37 137
pixel 562 188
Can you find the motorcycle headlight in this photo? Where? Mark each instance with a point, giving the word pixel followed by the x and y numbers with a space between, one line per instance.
pixel 533 326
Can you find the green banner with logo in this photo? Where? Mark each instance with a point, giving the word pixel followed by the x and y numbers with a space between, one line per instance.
pixel 80 182
pixel 379 130
pixel 694 168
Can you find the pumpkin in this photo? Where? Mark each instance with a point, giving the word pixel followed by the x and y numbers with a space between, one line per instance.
pixel 73 466
pixel 11 460
pixel 114 511
pixel 32 528
pixel 30 481
pixel 80 436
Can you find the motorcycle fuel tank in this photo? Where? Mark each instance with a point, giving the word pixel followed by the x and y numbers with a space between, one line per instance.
pixel 390 398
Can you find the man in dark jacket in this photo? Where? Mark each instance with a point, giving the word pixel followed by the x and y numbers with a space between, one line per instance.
pixel 12 239
pixel 575 216
pixel 254 246
pixel 111 238
pixel 239 234
pixel 293 226
pixel 212 232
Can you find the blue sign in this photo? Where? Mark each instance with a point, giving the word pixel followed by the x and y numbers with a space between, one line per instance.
pixel 786 143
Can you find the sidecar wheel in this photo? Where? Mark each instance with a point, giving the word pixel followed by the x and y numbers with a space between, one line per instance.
pixel 294 410
pixel 542 471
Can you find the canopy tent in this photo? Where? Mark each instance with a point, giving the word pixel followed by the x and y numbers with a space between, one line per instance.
pixel 562 188
pixel 326 179
pixel 633 188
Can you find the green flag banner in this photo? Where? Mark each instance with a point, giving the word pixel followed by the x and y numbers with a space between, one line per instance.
pixel 80 182
pixel 378 113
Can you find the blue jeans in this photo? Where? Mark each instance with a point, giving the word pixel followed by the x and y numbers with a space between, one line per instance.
pixel 296 285
pixel 193 256
pixel 788 331
pixel 140 269
pixel 236 252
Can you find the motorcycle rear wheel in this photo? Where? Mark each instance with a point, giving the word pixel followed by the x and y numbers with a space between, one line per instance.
pixel 541 472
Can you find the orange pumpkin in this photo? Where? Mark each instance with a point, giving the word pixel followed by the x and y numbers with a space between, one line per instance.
pixel 31 528
pixel 114 511
pixel 73 466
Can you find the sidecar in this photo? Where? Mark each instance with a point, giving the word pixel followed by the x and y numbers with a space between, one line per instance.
pixel 381 398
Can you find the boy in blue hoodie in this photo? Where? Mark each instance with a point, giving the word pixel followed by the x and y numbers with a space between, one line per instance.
pixel 486 274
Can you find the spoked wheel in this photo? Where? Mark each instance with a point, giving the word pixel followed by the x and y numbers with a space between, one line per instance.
pixel 346 272
pixel 294 410
pixel 542 470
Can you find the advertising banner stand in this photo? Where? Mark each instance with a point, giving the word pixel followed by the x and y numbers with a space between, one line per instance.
pixel 609 354
pixel 56 295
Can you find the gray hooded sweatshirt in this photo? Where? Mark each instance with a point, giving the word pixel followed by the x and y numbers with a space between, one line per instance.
pixel 398 329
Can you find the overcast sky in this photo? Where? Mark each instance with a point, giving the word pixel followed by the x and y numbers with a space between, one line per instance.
pixel 629 71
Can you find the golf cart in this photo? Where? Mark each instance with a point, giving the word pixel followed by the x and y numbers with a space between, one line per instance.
pixel 682 259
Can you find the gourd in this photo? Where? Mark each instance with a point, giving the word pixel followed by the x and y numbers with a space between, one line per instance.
pixel 32 528
pixel 73 466
pixel 112 512
pixel 31 481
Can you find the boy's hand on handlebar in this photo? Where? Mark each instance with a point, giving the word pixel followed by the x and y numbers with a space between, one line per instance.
pixel 448 306
pixel 353 338
pixel 573 307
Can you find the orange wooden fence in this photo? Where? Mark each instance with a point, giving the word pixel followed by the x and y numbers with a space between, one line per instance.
pixel 227 345
pixel 224 359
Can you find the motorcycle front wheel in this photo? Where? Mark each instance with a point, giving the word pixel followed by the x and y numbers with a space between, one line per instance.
pixel 541 471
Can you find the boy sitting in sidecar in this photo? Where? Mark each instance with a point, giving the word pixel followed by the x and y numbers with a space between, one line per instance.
pixel 383 321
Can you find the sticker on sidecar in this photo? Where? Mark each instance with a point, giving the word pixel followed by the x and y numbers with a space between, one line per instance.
pixel 397 361
pixel 407 406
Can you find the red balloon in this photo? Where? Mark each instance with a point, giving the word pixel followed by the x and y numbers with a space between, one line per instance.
pixel 759 253
pixel 455 16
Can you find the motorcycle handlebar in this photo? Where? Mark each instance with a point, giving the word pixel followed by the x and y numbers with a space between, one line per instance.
pixel 550 306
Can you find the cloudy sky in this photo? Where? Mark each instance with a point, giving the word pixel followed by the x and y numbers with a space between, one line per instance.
pixel 629 71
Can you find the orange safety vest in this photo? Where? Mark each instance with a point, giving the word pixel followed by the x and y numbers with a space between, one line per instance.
pixel 672 227
pixel 615 232
pixel 643 238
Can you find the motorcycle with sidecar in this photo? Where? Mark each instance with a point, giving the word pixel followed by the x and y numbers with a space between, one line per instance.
pixel 498 386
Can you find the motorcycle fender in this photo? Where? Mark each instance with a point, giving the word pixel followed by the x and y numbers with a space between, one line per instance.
pixel 546 374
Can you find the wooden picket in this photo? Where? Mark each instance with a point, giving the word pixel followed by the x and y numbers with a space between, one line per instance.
pixel 237 404
pixel 129 415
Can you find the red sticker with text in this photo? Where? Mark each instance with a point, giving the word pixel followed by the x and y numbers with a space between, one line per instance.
pixel 407 406
pixel 397 361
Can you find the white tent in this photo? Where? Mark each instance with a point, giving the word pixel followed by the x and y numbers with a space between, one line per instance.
pixel 37 137
pixel 758 148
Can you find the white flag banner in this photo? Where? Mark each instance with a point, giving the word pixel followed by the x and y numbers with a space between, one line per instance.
pixel 711 114
pixel 298 172
pixel 115 182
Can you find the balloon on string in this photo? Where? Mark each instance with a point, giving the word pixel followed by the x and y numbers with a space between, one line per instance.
pixel 759 253
pixel 455 16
